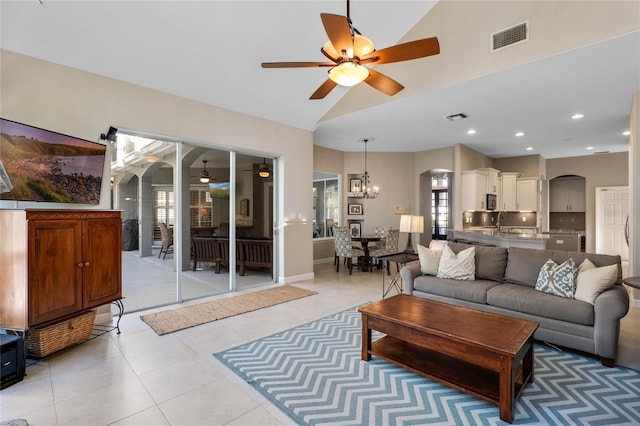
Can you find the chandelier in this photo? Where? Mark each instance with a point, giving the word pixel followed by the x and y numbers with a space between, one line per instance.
pixel 366 190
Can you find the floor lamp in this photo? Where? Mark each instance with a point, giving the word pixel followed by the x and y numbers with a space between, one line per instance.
pixel 410 224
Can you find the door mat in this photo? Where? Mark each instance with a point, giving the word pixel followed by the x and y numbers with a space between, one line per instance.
pixel 189 316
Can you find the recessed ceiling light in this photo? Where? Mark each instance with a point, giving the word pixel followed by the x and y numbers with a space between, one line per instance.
pixel 471 131
pixel 589 147
pixel 626 133
pixel 519 134
pixel 577 116
pixel 529 148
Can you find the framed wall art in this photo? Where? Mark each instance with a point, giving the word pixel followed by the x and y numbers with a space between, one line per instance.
pixel 355 184
pixel 354 209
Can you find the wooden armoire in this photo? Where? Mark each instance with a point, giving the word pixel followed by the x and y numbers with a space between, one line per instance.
pixel 55 264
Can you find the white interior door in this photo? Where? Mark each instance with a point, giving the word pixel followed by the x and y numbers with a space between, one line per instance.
pixel 612 210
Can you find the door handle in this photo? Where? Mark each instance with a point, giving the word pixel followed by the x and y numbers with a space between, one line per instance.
pixel 626 230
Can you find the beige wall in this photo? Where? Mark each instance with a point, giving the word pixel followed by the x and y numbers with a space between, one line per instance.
pixel 328 160
pixel 526 165
pixel 394 174
pixel 82 104
pixel 598 170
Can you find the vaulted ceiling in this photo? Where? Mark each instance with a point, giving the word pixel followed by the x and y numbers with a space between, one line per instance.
pixel 580 57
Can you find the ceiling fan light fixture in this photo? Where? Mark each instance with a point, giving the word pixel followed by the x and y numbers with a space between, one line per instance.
pixel 348 74
pixel 362 45
pixel 264 173
pixel 204 176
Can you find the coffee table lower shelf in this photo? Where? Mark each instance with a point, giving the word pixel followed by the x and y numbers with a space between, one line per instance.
pixel 457 374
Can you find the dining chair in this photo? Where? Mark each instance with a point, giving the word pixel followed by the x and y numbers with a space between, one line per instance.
pixel 342 239
pixel 166 235
pixel 390 245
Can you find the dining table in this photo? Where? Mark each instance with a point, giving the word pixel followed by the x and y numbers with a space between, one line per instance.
pixel 364 242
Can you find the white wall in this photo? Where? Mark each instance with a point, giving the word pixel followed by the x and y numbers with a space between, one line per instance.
pixel 634 194
pixel 82 104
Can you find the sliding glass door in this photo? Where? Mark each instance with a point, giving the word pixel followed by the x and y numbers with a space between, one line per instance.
pixel 202 220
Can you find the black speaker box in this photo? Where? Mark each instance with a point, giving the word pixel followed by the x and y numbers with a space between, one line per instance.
pixel 12 361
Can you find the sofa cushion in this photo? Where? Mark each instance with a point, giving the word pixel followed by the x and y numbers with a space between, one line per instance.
pixel 429 260
pixel 524 299
pixel 490 261
pixel 559 280
pixel 524 264
pixel 592 280
pixel 472 291
pixel 461 266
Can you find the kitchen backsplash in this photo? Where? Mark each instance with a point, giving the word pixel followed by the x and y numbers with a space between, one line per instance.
pixel 568 221
pixel 476 219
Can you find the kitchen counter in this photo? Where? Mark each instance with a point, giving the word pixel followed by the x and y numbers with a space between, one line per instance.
pixel 506 238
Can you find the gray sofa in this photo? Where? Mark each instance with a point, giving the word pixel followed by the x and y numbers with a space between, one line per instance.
pixel 505 284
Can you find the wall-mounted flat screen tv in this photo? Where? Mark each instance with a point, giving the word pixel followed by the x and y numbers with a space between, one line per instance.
pixel 42 165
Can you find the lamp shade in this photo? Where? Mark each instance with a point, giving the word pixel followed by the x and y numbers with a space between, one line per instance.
pixel 410 223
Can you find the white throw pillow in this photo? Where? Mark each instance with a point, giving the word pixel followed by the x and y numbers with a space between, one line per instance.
pixel 593 281
pixel 458 267
pixel 437 244
pixel 429 260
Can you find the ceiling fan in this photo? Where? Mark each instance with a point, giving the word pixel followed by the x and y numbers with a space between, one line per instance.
pixel 349 51
pixel 263 170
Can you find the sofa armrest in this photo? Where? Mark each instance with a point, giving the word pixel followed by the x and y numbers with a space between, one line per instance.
pixel 409 273
pixel 610 307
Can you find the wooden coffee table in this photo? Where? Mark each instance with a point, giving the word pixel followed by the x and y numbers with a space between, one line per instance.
pixel 486 355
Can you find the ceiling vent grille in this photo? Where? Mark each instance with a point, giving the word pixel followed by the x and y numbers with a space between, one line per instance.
pixel 516 34
pixel 454 117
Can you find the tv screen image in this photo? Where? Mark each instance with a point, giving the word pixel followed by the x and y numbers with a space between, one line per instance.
pixel 220 189
pixel 42 165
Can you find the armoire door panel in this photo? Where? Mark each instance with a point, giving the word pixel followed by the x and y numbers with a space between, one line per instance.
pixel 102 246
pixel 55 277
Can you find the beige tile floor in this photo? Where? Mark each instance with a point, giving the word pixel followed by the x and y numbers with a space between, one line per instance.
pixel 140 378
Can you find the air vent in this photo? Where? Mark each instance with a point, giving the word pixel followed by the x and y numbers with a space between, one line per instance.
pixel 454 117
pixel 516 34
pixel 601 152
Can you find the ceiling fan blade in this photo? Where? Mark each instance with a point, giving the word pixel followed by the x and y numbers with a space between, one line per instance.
pixel 383 83
pixel 296 64
pixel 339 32
pixel 324 89
pixel 406 51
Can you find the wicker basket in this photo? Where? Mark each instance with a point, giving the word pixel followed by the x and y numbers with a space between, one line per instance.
pixel 49 339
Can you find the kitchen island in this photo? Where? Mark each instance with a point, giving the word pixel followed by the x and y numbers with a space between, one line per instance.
pixel 507 238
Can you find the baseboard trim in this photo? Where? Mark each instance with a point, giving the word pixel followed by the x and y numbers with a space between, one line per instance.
pixel 296 278
pixel 325 260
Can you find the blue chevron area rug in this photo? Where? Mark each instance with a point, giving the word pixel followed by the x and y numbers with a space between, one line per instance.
pixel 315 375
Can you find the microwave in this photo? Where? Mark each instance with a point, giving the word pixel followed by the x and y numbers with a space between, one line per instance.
pixel 492 201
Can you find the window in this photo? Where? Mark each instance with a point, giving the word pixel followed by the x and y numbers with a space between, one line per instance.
pixel 326 204
pixel 162 210
pixel 439 206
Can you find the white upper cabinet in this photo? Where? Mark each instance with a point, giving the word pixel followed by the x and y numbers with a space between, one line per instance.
pixel 567 194
pixel 527 194
pixel 493 180
pixel 508 199
pixel 474 190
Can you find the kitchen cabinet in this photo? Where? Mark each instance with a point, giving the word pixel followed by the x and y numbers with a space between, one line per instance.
pixel 508 194
pixel 60 263
pixel 567 195
pixel 527 194
pixel 493 179
pixel 474 190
